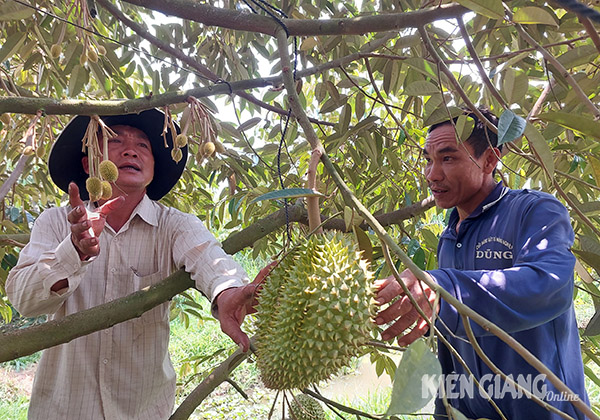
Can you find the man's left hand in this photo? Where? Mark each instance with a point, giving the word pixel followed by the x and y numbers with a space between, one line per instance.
pixel 402 312
pixel 235 303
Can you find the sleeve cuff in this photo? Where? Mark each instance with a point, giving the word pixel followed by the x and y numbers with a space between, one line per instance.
pixel 69 266
pixel 229 284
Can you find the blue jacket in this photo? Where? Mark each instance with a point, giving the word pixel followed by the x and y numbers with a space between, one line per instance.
pixel 511 262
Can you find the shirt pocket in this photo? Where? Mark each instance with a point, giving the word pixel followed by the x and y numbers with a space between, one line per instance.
pixel 158 314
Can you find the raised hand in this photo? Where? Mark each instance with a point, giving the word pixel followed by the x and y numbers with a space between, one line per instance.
pixel 87 225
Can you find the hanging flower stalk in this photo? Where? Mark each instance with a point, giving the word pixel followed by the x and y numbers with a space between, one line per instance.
pixel 102 172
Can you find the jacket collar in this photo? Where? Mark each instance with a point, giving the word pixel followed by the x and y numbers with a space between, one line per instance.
pixel 490 201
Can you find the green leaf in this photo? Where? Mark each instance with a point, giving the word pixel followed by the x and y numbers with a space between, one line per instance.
pixel 590 207
pixel 287 193
pixel 590 258
pixel 532 15
pixel 10 10
pixel 538 142
pixel 464 127
pixel 510 127
pixel 77 81
pixel 421 88
pixel 489 8
pixel 249 124
pixel 442 114
pixel 515 86
pixel 572 121
pixel 366 123
pixel 364 243
pixel 418 363
pixel 11 45
pixel 593 327
pixel 578 56
pixel 359 105
pixel 351 218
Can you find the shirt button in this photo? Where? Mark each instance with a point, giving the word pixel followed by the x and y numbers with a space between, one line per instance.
pixel 458 245
pixel 113 270
pixel 105 361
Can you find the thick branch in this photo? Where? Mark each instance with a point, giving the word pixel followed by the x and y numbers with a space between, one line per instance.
pixel 52 106
pixel 244 21
pixel 120 106
pixel 19 343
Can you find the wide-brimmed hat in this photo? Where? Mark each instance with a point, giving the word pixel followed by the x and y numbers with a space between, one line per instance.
pixel 65 164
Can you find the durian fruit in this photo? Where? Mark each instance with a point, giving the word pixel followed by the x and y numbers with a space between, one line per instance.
pixel 305 407
pixel 93 185
pixel 108 171
pixel 106 190
pixel 314 313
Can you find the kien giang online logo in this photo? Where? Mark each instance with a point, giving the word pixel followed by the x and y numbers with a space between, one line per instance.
pixel 458 386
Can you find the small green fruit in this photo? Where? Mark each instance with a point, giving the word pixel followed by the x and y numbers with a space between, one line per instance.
pixel 209 148
pixel 92 55
pixel 93 185
pixel 101 50
pixel 106 190
pixel 176 155
pixel 55 51
pixel 5 118
pixel 108 171
pixel 28 151
pixel 181 140
pixel 305 407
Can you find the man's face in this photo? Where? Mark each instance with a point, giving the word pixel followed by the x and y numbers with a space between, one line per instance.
pixel 131 151
pixel 456 178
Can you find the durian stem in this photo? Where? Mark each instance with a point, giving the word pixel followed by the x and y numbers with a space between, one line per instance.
pixel 312 203
pixel 314 217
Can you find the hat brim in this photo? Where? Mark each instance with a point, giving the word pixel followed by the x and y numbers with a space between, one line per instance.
pixel 64 163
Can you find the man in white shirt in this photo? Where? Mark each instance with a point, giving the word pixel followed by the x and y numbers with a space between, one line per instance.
pixel 93 252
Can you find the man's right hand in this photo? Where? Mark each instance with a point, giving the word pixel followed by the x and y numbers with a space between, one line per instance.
pixel 86 225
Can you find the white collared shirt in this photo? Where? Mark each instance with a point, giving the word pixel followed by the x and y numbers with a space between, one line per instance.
pixel 123 372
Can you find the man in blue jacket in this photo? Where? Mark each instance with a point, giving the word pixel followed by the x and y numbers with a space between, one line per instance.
pixel 506 254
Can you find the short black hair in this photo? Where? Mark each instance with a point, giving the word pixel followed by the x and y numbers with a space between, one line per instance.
pixel 481 137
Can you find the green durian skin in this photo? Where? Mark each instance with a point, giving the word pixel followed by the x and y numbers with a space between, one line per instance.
pixel 314 313
pixel 305 407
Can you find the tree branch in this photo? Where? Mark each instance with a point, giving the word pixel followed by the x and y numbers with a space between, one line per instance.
pixel 50 106
pixel 244 21
pixel 19 343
